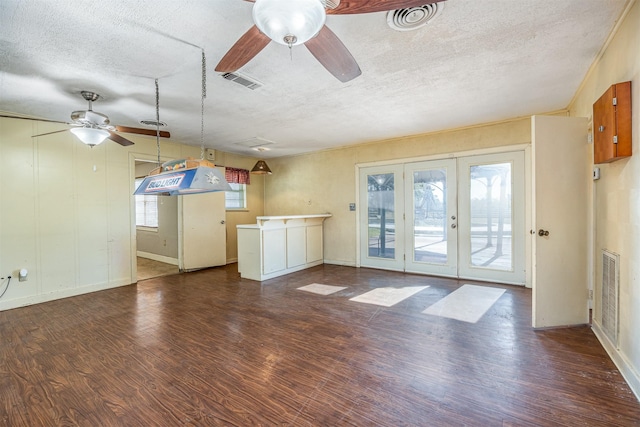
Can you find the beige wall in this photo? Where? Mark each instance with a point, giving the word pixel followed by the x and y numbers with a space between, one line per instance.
pixel 617 193
pixel 326 181
pixel 255 200
pixel 72 228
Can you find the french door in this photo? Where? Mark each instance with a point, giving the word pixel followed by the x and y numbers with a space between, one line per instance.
pixel 431 218
pixel 454 217
pixel 382 199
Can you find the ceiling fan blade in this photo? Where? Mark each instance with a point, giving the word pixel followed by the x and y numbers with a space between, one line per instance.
pixel 49 133
pixel 139 131
pixel 369 6
pixel 333 55
pixel 243 51
pixel 7 116
pixel 119 139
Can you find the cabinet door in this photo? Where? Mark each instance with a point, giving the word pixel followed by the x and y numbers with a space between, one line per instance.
pixel 612 120
pixel 296 247
pixel 274 250
pixel 314 243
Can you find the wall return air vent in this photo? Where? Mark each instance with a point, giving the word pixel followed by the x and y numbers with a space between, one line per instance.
pixel 609 314
pixel 242 80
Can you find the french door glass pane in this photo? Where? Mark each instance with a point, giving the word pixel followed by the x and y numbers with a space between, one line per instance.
pixel 491 219
pixel 381 215
pixel 430 222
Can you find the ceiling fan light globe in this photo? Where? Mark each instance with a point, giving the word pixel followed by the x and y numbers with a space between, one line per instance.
pixel 90 136
pixel 281 18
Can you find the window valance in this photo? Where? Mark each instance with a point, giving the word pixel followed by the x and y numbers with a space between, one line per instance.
pixel 237 176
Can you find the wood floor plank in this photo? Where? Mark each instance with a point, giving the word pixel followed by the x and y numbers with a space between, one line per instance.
pixel 210 348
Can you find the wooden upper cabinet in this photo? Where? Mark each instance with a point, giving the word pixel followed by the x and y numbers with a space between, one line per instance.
pixel 612 124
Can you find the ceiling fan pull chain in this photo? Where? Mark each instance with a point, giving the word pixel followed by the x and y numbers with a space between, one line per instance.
pixel 202 97
pixel 158 121
pixel 290 39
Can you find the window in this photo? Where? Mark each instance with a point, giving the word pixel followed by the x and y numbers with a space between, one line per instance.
pixel 146 209
pixel 236 198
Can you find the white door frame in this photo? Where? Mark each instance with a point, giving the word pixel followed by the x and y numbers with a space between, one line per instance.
pixel 503 149
pixel 132 207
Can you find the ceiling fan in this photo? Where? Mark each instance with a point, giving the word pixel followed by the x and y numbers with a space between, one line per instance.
pixel 92 127
pixel 291 23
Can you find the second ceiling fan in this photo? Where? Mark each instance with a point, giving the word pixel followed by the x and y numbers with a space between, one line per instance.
pixel 291 23
pixel 92 127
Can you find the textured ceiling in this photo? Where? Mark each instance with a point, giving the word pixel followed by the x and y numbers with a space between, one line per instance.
pixel 479 61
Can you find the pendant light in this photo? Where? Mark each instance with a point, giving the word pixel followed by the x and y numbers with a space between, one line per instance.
pixel 261 167
pixel 185 176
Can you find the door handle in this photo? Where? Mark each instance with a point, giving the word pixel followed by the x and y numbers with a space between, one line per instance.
pixel 543 233
pixel 453 226
pixel 222 222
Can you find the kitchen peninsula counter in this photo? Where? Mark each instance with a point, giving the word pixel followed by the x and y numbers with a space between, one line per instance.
pixel 280 244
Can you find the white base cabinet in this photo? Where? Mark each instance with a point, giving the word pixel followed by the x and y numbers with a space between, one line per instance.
pixel 279 245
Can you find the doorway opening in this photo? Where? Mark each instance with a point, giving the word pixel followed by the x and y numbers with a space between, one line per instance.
pixel 156 229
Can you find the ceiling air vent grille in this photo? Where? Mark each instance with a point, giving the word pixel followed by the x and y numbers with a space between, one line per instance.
pixel 413 18
pixel 255 143
pixel 153 123
pixel 242 80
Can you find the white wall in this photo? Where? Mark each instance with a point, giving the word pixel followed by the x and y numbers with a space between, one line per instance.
pixel 617 195
pixel 65 211
pixel 72 226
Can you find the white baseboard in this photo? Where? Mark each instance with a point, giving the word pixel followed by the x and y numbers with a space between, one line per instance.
pixel 64 293
pixel 338 262
pixel 625 367
pixel 232 260
pixel 156 257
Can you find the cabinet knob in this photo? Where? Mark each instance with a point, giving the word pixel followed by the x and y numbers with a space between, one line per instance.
pixel 601 128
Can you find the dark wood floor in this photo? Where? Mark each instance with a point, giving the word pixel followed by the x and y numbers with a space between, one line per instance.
pixel 207 348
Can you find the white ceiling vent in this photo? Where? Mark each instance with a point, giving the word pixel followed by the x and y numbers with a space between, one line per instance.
pixel 242 80
pixel 414 17
pixel 255 143
pixel 153 123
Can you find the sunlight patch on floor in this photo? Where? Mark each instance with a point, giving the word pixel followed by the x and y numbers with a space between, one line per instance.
pixel 320 289
pixel 467 303
pixel 388 297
